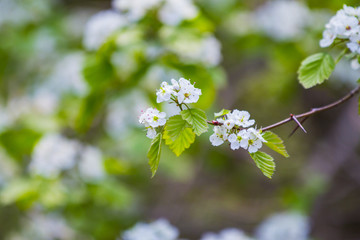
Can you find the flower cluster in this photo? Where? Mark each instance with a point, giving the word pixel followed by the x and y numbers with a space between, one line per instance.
pixel 235 127
pixel 158 230
pixel 172 12
pixel 152 118
pixel 345 25
pixel 180 92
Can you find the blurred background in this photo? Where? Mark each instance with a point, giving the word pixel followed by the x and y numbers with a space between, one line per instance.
pixel 75 75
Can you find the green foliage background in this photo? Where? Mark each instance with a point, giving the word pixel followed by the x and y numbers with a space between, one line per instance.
pixel 206 188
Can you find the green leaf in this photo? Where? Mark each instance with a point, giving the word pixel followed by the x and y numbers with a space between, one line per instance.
pixel 221 113
pixel 265 162
pixel 154 153
pixel 197 119
pixel 275 143
pixel 316 69
pixel 178 136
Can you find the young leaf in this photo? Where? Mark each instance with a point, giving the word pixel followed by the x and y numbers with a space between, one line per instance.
pixel 275 143
pixel 221 113
pixel 197 119
pixel 182 142
pixel 178 136
pixel 316 69
pixel 265 162
pixel 154 153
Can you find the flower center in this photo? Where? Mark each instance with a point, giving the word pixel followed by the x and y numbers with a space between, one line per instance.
pixel 156 118
pixel 348 28
pixel 187 95
pixel 251 142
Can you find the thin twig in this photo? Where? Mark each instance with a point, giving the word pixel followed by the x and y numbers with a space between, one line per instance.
pixel 306 114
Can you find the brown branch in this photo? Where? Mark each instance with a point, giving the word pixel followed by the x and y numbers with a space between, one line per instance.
pixel 306 114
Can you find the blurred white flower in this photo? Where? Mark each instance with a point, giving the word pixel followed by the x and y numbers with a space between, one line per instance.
pixel 135 9
pixel 67 76
pixel 19 12
pixel 284 226
pixel 52 154
pixel 283 20
pixel 227 234
pixel 44 101
pixel 345 74
pixel 158 230
pixel 100 27
pixel 123 114
pixel 206 50
pixel 91 166
pixel 43 227
pixel 175 11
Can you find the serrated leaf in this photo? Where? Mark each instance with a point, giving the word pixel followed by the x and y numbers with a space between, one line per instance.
pixel 183 141
pixel 265 162
pixel 275 143
pixel 316 69
pixel 221 113
pixel 197 119
pixel 154 153
pixel 177 134
pixel 175 125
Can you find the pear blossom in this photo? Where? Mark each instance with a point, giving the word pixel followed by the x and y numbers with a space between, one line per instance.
pixel 187 92
pixel 152 118
pixel 345 26
pixel 354 44
pixel 253 141
pixel 164 93
pixel 238 140
pixel 241 118
pixel 220 135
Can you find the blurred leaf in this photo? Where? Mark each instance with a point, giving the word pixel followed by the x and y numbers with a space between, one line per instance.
pixel 154 153
pixel 21 191
pixel 178 136
pixel 112 194
pixel 197 119
pixel 98 71
pixel 265 162
pixel 19 142
pixel 275 143
pixel 115 166
pixel 89 110
pixel 221 113
pixel 316 69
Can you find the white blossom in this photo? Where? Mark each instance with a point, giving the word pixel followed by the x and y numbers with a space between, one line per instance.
pixel 135 9
pixel 175 11
pixel 354 44
pixel 219 136
pixel 164 93
pixel 151 133
pixel 283 20
pixel 185 91
pixel 253 141
pixel 158 230
pixel 238 140
pixel 153 118
pixel 226 234
pixel 345 26
pixel 284 226
pixel 241 118
pixel 52 154
pixel 91 164
pixel 101 26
